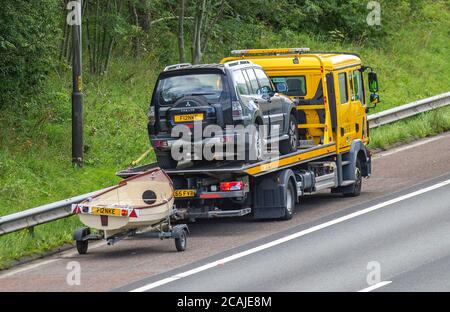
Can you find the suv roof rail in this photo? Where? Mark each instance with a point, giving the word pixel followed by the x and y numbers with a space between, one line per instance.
pixel 177 66
pixel 270 51
pixel 237 62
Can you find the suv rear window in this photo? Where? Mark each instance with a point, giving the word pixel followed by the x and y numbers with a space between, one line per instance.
pixel 172 88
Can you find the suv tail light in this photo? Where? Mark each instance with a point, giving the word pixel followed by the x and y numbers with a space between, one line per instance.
pixel 237 110
pixel 231 186
pixel 151 115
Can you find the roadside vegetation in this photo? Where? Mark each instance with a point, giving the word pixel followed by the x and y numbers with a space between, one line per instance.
pixel 409 51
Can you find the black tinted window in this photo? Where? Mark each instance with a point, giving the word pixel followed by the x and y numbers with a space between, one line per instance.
pixel 175 87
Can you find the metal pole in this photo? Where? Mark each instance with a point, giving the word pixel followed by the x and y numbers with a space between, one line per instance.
pixel 77 95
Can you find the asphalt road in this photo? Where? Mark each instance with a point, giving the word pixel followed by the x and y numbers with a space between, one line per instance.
pixel 333 258
pixel 401 241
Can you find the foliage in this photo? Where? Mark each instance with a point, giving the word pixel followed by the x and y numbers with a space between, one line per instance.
pixel 28 36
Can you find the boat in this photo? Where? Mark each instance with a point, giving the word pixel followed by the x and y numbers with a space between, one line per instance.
pixel 142 201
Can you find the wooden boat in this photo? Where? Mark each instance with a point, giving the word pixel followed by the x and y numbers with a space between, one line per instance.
pixel 137 202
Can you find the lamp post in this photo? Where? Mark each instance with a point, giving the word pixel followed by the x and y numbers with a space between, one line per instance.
pixel 77 93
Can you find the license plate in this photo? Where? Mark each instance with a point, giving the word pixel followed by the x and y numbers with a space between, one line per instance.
pixel 184 193
pixel 188 117
pixel 106 211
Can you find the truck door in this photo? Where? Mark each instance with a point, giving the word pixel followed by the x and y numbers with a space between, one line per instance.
pixel 358 103
pixel 345 131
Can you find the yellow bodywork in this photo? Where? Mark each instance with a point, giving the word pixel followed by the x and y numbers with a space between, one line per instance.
pixel 351 119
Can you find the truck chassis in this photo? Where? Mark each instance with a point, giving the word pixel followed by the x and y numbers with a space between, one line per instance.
pixel 268 189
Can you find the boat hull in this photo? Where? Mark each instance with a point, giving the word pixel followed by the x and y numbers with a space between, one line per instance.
pixel 141 201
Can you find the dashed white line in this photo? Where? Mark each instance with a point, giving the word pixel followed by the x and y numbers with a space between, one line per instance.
pixel 376 286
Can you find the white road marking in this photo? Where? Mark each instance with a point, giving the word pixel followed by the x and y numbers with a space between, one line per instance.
pixel 289 237
pixel 376 286
pixel 62 256
pixel 29 267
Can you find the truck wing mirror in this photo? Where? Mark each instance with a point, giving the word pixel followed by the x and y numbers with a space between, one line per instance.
pixel 373 82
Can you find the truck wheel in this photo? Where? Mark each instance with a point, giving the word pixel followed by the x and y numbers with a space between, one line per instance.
pixel 82 247
pixel 290 145
pixel 165 161
pixel 356 189
pixel 290 202
pixel 181 241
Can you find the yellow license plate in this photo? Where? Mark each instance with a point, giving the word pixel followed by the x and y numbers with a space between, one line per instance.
pixel 188 117
pixel 106 211
pixel 184 193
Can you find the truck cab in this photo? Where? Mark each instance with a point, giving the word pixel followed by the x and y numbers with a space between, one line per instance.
pixel 327 88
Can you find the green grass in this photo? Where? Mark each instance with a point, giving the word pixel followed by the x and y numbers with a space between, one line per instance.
pixel 418 127
pixel 35 144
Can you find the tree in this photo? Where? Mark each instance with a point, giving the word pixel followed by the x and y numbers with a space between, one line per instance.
pixel 207 14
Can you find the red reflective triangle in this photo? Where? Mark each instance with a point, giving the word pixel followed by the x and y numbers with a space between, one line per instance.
pixel 133 214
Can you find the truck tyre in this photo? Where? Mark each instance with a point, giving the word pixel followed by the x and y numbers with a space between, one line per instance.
pixel 290 145
pixel 356 188
pixel 290 202
pixel 165 161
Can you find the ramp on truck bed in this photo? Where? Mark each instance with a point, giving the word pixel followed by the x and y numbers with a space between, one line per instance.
pixel 217 168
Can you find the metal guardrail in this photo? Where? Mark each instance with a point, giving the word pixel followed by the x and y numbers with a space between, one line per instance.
pixel 27 219
pixel 408 110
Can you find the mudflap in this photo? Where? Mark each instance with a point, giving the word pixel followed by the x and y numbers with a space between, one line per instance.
pixel 269 195
pixel 81 234
pixel 178 229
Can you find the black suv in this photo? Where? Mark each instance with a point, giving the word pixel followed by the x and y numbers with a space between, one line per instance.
pixel 230 94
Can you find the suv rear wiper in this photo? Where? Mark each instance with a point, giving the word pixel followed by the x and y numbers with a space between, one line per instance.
pixel 201 93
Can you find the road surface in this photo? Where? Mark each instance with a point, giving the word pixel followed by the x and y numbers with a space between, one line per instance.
pixel 400 244
pixel 407 239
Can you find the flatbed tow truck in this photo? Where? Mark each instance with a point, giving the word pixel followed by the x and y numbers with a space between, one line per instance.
pixel 332 152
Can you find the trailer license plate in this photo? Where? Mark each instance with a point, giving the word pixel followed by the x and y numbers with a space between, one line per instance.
pixel 184 193
pixel 188 117
pixel 106 211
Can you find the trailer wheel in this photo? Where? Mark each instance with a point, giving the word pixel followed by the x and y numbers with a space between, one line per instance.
pixel 82 247
pixel 356 189
pixel 290 202
pixel 181 241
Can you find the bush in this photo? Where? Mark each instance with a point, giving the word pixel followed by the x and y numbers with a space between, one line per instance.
pixel 28 37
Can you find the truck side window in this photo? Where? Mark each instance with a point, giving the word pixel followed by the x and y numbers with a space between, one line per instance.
pixel 343 91
pixel 357 78
pixel 264 82
pixel 240 82
pixel 352 90
pixel 253 81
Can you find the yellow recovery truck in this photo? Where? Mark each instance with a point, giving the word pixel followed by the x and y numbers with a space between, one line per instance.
pixel 331 110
